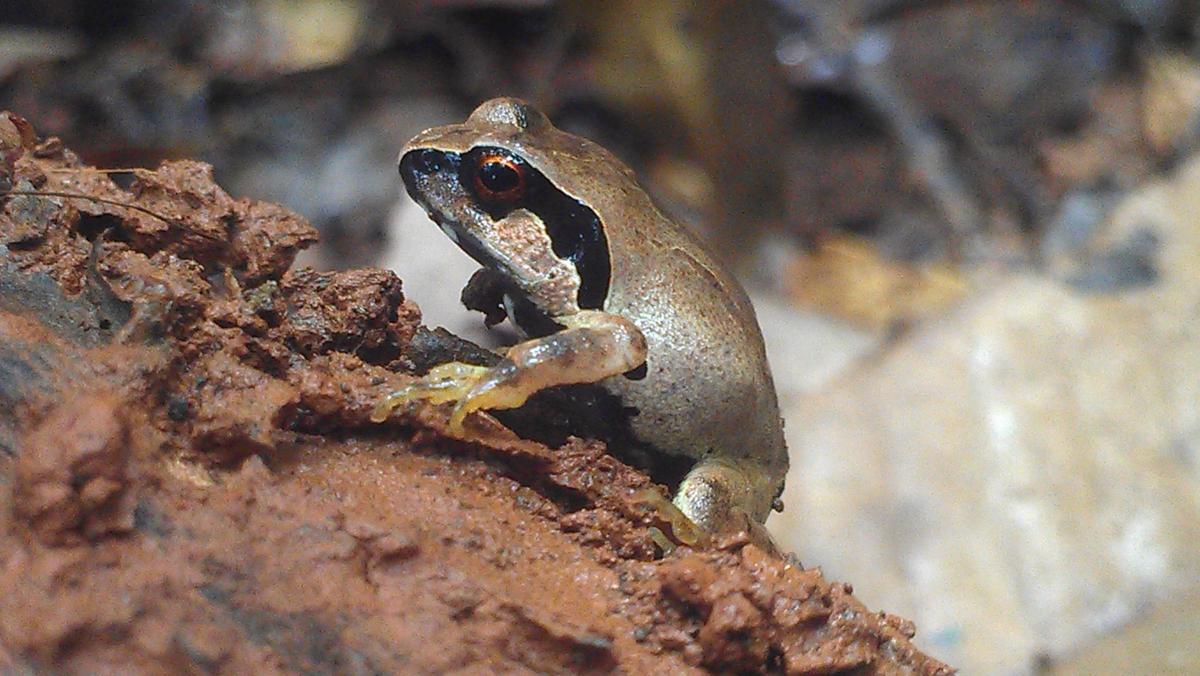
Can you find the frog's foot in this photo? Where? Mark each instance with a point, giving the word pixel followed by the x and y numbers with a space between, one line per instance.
pixel 682 529
pixel 471 387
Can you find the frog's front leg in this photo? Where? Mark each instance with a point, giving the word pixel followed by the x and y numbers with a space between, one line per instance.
pixel 593 346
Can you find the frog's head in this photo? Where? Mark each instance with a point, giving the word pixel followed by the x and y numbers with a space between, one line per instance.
pixel 504 185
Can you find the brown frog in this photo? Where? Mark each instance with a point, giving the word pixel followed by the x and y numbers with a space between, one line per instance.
pixel 607 290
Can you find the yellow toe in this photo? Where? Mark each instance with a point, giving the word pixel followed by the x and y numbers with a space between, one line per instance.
pixel 683 529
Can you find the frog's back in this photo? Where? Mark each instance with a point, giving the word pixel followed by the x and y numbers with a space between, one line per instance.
pixel 708 389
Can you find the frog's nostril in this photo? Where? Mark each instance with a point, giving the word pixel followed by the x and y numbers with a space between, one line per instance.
pixel 426 161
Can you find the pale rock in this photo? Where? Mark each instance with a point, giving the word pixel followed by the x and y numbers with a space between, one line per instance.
pixel 1022 475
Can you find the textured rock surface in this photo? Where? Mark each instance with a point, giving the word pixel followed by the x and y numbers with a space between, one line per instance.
pixel 189 481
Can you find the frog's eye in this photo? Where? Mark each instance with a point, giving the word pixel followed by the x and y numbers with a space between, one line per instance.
pixel 499 178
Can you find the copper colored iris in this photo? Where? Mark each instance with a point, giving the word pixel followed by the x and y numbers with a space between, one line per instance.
pixel 500 178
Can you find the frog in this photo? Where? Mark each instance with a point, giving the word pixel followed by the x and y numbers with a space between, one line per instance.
pixel 603 289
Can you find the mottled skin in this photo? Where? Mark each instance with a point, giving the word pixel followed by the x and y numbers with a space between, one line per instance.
pixel 707 391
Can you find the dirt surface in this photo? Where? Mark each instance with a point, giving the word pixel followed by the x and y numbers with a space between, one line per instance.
pixel 189 482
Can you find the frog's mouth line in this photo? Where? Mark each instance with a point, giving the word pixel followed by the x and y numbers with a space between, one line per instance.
pixel 454 207
pixel 440 181
pixel 522 310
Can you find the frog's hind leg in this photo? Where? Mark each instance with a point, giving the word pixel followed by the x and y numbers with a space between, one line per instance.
pixel 723 496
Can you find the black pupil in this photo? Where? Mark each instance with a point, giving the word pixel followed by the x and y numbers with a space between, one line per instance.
pixel 498 176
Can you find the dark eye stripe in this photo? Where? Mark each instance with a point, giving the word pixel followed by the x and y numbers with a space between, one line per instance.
pixel 576 233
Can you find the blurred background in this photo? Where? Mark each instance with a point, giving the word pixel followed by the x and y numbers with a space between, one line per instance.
pixel 970 230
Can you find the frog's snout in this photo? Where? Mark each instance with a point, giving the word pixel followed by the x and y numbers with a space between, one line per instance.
pixel 430 177
pixel 422 163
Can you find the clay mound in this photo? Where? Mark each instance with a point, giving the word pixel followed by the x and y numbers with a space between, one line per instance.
pixel 189 481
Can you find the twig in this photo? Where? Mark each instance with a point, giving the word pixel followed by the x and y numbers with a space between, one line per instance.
pixel 93 198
